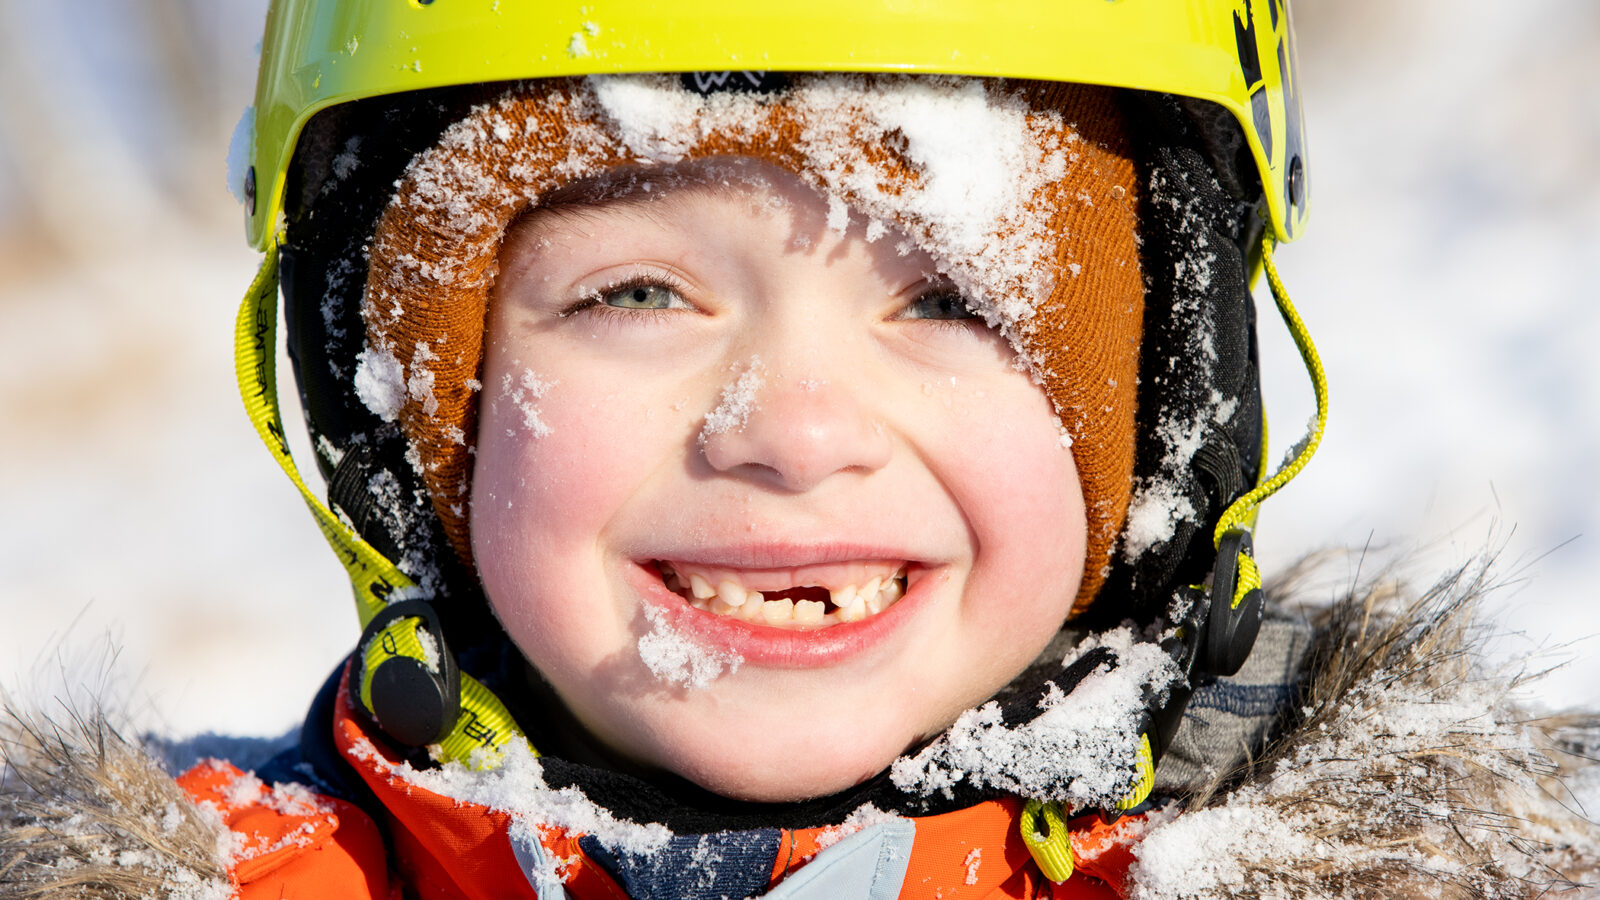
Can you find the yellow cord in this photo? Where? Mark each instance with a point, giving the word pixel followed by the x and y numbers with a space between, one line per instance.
pixel 1243 508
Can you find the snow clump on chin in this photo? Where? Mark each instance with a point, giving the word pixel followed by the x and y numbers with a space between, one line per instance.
pixel 677 659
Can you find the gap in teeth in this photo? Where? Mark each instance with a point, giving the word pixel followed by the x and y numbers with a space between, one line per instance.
pixel 799 606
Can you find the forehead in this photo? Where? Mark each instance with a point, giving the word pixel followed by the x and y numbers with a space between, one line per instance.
pixel 637 190
pixel 714 199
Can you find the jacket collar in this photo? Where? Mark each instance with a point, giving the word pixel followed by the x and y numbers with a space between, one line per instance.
pixel 450 846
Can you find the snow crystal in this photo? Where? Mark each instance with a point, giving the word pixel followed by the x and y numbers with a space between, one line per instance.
pixel 1161 502
pixel 678 659
pixel 1153 517
pixel 1197 854
pixel 524 392
pixel 838 215
pixel 385 489
pixel 1223 410
pixel 328 451
pixel 864 816
pixel 650 113
pixel 1082 748
pixel 346 162
pixel 242 790
pixel 291 798
pixel 172 819
pixel 971 152
pixel 737 401
pixel 420 385
pixel 239 147
pixel 517 787
pixel 430 648
pixel 246 849
pixel 972 862
pixel 380 382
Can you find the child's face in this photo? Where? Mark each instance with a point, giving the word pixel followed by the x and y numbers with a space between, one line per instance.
pixel 879 439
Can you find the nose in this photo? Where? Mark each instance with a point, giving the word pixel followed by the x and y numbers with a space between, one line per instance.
pixel 796 432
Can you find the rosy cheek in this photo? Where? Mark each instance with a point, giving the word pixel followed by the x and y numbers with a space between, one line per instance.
pixel 542 503
pixel 1022 499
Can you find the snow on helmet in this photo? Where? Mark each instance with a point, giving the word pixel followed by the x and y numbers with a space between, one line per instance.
pixel 350 92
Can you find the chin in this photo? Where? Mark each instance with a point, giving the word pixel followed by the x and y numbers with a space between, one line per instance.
pixel 760 763
pixel 780 783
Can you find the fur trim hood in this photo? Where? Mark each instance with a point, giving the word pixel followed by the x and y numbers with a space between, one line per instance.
pixel 1405 767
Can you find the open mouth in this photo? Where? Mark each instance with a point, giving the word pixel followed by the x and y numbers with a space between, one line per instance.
pixel 791 598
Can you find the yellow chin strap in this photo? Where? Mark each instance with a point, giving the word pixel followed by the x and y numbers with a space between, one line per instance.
pixel 484 726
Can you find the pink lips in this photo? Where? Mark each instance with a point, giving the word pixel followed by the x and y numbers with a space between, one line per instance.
pixel 780 647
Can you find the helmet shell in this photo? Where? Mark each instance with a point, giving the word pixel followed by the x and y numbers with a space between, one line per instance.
pixel 1238 54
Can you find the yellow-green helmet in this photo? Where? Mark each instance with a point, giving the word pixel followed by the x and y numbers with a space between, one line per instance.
pixel 1238 54
pixel 323 58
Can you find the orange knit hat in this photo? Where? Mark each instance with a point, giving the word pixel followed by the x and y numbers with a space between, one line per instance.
pixel 1023 193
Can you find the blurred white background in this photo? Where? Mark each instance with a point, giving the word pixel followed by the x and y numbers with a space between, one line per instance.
pixel 1448 275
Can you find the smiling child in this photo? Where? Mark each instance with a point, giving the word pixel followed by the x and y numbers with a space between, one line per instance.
pixel 808 484
pixel 889 529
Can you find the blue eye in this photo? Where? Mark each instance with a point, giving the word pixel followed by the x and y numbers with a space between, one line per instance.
pixel 643 296
pixel 940 303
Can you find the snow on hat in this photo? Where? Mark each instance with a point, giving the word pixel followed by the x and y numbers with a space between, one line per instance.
pixel 1023 193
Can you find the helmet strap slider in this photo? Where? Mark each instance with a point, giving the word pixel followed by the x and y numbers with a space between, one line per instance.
pixel 407 677
pixel 1237 604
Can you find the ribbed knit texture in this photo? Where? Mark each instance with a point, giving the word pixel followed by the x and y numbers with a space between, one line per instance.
pixel 432 266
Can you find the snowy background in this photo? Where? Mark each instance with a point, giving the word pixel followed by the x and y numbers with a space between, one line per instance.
pixel 1448 276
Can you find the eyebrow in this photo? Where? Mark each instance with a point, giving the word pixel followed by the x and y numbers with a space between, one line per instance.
pixel 641 185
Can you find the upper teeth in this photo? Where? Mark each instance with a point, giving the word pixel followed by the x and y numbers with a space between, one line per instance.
pixel 727 597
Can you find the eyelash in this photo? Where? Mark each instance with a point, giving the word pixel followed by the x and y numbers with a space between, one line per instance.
pixel 594 303
pixel 963 324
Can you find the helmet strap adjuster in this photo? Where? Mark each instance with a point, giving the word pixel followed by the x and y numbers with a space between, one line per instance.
pixel 1237 606
pixel 413 699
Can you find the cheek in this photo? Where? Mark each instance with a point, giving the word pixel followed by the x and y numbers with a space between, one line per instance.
pixel 541 503
pixel 1019 490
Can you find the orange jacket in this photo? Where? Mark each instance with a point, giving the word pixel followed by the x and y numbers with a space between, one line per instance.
pixel 291 843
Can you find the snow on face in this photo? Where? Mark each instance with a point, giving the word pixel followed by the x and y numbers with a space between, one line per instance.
pixel 522 391
pixel 736 402
pixel 680 660
pixel 832 446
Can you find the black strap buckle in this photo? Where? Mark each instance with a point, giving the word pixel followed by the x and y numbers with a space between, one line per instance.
pixel 411 703
pixel 1231 630
pixel 1211 637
